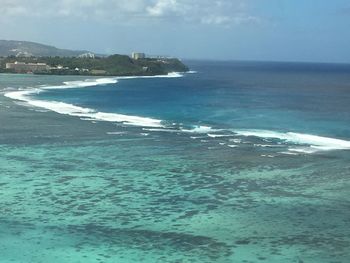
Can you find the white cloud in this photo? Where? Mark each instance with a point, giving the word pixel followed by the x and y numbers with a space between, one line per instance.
pixel 209 12
pixel 163 7
pixel 216 20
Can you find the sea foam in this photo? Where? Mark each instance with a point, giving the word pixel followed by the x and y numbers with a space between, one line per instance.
pixel 219 135
pixel 86 113
pixel 311 143
pixel 170 75
pixel 199 129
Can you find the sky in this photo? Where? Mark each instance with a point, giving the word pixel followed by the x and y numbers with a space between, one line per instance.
pixel 262 30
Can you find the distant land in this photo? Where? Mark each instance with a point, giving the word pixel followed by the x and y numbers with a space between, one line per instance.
pixel 29 57
pixel 26 48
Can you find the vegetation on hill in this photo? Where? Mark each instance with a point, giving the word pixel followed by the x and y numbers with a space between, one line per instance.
pixel 115 65
pixel 26 48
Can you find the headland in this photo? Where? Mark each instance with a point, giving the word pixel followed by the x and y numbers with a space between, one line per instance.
pixel 91 65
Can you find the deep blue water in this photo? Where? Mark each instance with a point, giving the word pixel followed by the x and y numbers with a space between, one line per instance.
pixel 305 98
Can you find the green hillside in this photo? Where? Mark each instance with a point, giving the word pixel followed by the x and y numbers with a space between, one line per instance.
pixel 115 65
pixel 25 48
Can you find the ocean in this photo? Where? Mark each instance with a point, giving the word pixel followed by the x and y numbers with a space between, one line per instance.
pixel 230 162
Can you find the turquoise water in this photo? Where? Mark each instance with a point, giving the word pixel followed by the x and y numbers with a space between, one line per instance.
pixel 88 190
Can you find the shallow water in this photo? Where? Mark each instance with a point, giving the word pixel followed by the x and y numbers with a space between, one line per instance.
pixel 77 190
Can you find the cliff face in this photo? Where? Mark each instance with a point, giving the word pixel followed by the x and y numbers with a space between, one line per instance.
pixel 25 48
pixel 163 66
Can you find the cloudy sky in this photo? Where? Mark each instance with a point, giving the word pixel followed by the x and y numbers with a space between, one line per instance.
pixel 274 30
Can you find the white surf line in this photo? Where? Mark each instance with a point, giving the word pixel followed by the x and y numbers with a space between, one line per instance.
pixel 197 129
pixel 200 129
pixel 219 135
pixel 170 75
pixel 161 130
pixel 313 143
pixel 87 113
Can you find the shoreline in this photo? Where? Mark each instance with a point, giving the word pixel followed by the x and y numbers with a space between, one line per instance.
pixel 107 76
pixel 114 65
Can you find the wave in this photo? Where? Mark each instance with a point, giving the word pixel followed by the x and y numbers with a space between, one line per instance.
pixel 87 113
pixel 311 143
pixel 161 130
pixel 170 75
pixel 295 143
pixel 116 133
pixel 196 129
pixel 86 83
pixel 199 129
pixel 219 135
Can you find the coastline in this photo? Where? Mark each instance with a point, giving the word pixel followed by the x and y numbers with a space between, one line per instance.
pixel 101 75
pixel 114 65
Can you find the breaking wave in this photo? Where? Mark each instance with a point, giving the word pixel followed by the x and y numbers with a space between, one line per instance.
pixel 86 113
pixel 310 143
pixel 295 143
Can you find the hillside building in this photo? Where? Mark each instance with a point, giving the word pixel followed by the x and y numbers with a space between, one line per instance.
pixel 22 67
pixel 87 55
pixel 137 55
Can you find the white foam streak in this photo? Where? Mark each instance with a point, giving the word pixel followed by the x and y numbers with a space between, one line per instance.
pixel 218 135
pixel 303 150
pixel 116 133
pixel 289 153
pixel 86 83
pixel 315 143
pixel 199 129
pixel 86 113
pixel 170 75
pixel 161 130
pixel 127 119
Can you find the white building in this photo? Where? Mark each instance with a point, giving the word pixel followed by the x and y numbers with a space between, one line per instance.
pixel 22 67
pixel 137 55
pixel 87 55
